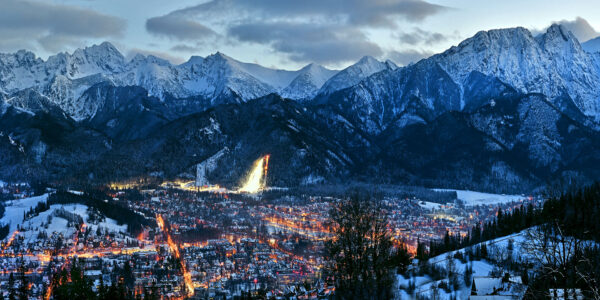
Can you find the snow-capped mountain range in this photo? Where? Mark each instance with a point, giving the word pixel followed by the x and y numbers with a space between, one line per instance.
pixel 502 106
pixel 553 64
pixel 480 68
pixel 352 75
pixel 64 77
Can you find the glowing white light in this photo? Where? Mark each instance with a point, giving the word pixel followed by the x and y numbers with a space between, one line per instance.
pixel 256 179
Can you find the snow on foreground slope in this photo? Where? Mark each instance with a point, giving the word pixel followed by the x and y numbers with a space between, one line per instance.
pixel 15 210
pixel 522 247
pixel 424 284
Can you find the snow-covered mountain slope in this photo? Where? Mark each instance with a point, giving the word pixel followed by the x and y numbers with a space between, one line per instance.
pixel 64 77
pixel 32 101
pixel 154 74
pixel 502 106
pixel 215 75
pixel 490 65
pixel 23 70
pixel 218 74
pixel 553 64
pixel 592 45
pixel 16 209
pixel 123 113
pixel 277 79
pixel 396 97
pixel 308 82
pixel 353 74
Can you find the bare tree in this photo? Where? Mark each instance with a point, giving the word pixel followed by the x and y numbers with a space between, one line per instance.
pixel 361 253
pixel 556 254
pixel 586 276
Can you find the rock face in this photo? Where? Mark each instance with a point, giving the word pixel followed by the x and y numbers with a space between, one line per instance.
pixel 502 110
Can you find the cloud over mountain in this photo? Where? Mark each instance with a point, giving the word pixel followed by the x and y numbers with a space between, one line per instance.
pixel 580 27
pixel 177 28
pixel 323 31
pixel 406 57
pixel 52 25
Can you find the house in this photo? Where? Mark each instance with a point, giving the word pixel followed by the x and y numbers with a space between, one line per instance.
pixel 572 294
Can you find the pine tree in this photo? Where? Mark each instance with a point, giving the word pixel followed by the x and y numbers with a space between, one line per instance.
pixel 421 255
pixel 446 242
pixel 484 252
pixel 468 274
pixel 102 289
pixel 473 288
pixel 24 286
pixel 12 293
pixel 401 259
pixel 44 290
pixel 128 277
pixel 525 277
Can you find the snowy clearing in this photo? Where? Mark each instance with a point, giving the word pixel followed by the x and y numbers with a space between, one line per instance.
pixel 15 209
pixel 33 226
pixel 472 198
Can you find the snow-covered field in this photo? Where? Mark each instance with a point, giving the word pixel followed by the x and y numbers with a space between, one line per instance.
pixel 33 226
pixel 471 198
pixel 15 210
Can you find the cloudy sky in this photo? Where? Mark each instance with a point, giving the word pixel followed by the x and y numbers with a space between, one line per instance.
pixel 282 33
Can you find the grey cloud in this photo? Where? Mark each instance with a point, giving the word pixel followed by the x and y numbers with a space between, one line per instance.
pixel 378 13
pixel 173 26
pixel 405 57
pixel 56 43
pixel 382 12
pixel 580 27
pixel 184 48
pixel 324 31
pixel 53 24
pixel 308 42
pixel 420 36
pixel 355 12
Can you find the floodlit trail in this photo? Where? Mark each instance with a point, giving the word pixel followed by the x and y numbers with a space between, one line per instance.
pixel 256 180
pixel 174 247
